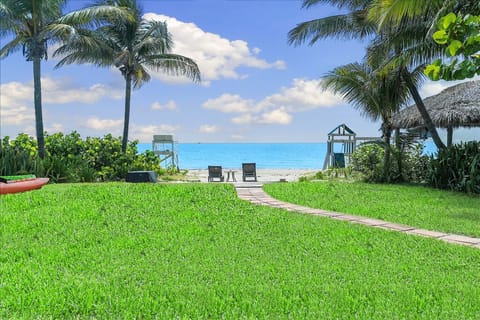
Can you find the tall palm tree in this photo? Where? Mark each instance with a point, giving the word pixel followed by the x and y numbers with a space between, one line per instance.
pixel 405 48
pixel 32 25
pixel 415 22
pixel 133 46
pixel 376 95
pixel 391 38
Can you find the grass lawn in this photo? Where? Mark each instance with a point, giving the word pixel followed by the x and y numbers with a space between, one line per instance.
pixel 415 206
pixel 123 251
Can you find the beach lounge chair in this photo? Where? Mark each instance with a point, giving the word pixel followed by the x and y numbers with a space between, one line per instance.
pixel 215 172
pixel 249 170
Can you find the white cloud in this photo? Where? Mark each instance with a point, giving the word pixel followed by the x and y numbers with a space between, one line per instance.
pixel 278 116
pixel 245 118
pixel 302 95
pixel 103 124
pixel 216 57
pixel 61 91
pixel 146 133
pixel 434 87
pixel 277 108
pixel 229 103
pixel 56 91
pixel 16 115
pixel 56 127
pixel 170 105
pixel 207 128
pixel 17 98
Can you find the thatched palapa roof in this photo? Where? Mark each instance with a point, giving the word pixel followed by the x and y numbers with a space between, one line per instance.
pixel 456 106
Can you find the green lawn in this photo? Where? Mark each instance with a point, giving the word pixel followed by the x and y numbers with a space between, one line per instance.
pixel 415 206
pixel 124 251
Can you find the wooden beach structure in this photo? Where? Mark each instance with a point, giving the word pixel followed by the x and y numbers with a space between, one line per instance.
pixel 454 107
pixel 348 141
pixel 164 147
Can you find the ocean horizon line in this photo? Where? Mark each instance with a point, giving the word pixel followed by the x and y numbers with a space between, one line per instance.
pixel 286 155
pixel 244 142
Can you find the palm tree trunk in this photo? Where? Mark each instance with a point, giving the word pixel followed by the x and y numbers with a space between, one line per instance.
pixel 423 110
pixel 37 89
pixel 399 150
pixel 126 121
pixel 387 135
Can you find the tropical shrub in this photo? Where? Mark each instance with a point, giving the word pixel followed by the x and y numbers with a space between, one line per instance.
pixel 69 158
pixel 412 165
pixel 457 168
pixel 406 165
pixel 368 159
pixel 18 156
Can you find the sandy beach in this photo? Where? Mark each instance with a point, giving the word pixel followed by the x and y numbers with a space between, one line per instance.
pixel 263 175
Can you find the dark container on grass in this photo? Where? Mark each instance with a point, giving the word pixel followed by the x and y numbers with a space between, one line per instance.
pixel 141 176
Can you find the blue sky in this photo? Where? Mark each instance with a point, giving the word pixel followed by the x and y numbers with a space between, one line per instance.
pixel 255 87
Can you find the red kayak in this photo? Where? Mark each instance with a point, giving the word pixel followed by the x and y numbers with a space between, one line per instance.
pixel 22 185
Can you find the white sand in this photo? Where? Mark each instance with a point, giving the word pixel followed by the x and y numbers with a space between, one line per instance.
pixel 263 175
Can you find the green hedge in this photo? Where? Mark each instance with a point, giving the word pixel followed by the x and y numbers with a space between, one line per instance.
pixel 69 158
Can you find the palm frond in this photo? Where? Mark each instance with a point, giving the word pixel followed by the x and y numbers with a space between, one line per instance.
pixel 11 47
pixel 95 16
pixel 153 37
pixel 350 82
pixel 385 12
pixel 341 4
pixel 174 64
pixel 59 31
pixel 85 46
pixel 408 41
pixel 347 26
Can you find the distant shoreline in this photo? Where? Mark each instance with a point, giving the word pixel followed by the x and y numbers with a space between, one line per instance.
pixel 263 175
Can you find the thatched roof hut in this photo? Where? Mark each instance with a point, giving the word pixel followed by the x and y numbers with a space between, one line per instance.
pixel 454 107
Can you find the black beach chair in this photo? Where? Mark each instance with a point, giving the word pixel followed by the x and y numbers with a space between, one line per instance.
pixel 215 172
pixel 249 170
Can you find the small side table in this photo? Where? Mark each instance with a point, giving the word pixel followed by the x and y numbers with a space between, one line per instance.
pixel 231 174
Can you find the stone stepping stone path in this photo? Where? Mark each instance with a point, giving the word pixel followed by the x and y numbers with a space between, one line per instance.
pixel 255 194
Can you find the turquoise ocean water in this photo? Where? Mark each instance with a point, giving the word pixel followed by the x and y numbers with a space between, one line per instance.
pixel 265 155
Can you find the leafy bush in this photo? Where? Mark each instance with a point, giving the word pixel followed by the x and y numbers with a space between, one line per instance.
pixel 408 165
pixel 457 168
pixel 69 158
pixel 368 159
pixel 18 156
pixel 415 165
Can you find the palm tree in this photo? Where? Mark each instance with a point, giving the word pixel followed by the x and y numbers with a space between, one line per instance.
pixel 376 95
pixel 415 22
pixel 133 46
pixel 32 25
pixel 405 47
pixel 391 38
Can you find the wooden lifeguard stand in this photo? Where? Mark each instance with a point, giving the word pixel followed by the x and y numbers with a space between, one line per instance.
pixel 347 138
pixel 164 147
